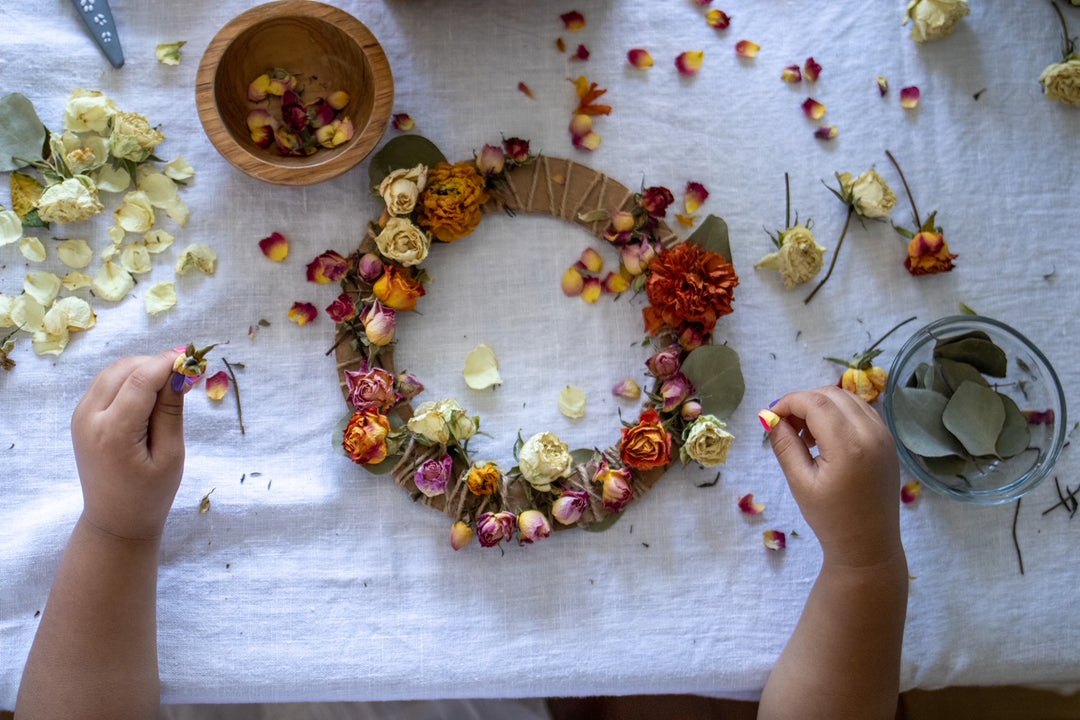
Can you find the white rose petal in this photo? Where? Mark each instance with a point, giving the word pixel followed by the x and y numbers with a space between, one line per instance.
pixel 113 180
pixel 572 402
pixel 178 211
pixel 157 240
pixel 42 286
pixel 180 169
pixel 136 259
pixel 49 344
pixel 160 298
pixel 116 234
pixel 113 282
pixel 76 254
pixel 76 281
pixel 69 313
pixel 199 257
pixel 88 111
pixel 10 227
pixel 27 313
pixel 136 214
pixel 159 189
pixel 32 249
pixel 6 303
pixel 482 368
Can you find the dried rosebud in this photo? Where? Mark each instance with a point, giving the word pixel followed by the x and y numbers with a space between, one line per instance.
pixel 493 528
pixel 408 386
pixel 655 201
pixel 674 391
pixel 869 194
pixel 867 384
pixel 636 258
pixel 369 268
pixel 544 458
pixel 491 160
pixel 380 324
pixel 934 19
pixel 691 410
pixel 665 363
pixel 342 309
pixel 484 479
pixel 433 476
pixel 623 221
pixel 461 535
pixel 533 526
pixel 928 254
pixel 570 506
pixel 618 486
pixel 516 149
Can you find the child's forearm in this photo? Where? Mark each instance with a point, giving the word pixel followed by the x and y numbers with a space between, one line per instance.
pixel 843 660
pixel 95 653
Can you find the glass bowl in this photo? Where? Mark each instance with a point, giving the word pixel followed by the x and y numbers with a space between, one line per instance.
pixel 1029 381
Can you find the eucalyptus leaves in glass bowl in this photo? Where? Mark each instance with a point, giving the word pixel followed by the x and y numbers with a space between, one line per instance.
pixel 977 410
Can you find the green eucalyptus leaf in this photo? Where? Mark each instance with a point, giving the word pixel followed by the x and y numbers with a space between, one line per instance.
pixel 712 235
pixel 338 438
pixel 582 455
pixel 978 334
pixel 917 419
pixel 404 151
pixel 947 465
pixel 982 354
pixel 716 374
pixel 1015 433
pixel 954 373
pixel 604 524
pixel 22 134
pixel 975 415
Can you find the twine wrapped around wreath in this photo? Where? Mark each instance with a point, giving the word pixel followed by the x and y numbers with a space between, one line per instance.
pixel 548 186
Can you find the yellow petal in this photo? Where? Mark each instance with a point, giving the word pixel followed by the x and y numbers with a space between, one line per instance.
pixel 160 298
pixel 75 253
pixel 482 368
pixel 572 402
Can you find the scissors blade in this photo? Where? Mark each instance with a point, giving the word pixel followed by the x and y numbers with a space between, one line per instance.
pixel 98 18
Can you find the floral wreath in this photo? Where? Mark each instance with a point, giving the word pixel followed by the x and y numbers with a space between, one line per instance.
pixel 696 384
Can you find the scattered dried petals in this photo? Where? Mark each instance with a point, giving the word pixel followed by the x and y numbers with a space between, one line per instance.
pixel 910 492
pixel 690 62
pixel 909 97
pixel 615 283
pixel 749 507
pixel 76 281
pixel 157 240
pixel 768 419
pixel 275 247
pixel 718 19
pixel 560 45
pixel 811 69
pixel 747 49
pixel 217 385
pixel 32 249
pixel 1039 417
pixel 136 259
pixel 198 257
pixel 42 286
pixel 775 540
pixel 113 282
pixel 696 195
pixel 179 170
pixel 403 123
pixel 627 389
pixel 573 283
pixel 589 141
pixel 526 90
pixel 593 290
pixel 76 254
pixel 169 53
pixel 813 109
pixel 827 132
pixel 302 313
pixel 582 53
pixel 588 93
pixel 591 260
pixel 882 85
pixel 160 298
pixel 573 20
pixel 686 220
pixel 327 268
pixel 572 402
pixel 640 58
pixel 580 125
pixel 482 368
pixel 791 74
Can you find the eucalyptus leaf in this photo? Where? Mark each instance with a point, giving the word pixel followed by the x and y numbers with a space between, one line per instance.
pixel 1015 433
pixel 982 354
pixel 22 134
pixel 338 438
pixel 604 524
pixel 917 419
pixel 955 373
pixel 712 235
pixel 716 374
pixel 975 415
pixel 582 455
pixel 947 465
pixel 404 151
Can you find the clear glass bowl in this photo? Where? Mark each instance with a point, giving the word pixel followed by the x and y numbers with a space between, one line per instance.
pixel 1030 381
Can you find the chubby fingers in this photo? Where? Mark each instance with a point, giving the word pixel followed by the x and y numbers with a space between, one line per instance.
pixel 103 388
pixel 137 395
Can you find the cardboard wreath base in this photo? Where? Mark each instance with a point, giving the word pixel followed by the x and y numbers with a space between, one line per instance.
pixel 547 186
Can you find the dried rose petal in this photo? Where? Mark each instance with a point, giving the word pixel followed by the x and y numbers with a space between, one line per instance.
pixel 217 385
pixel 589 141
pixel 689 63
pixel 593 290
pixel 582 53
pixel 627 389
pixel 747 49
pixel 275 247
pixel 526 90
pixel 338 99
pixel 811 69
pixel 791 74
pixel 686 220
pixel 573 20
pixel 560 45
pixel 768 419
pixel 775 540
pixel 327 268
pixel 615 283
pixel 909 97
pixel 749 507
pixel 573 283
pixel 1039 417
pixel 591 260
pixel 718 19
pixel 827 132
pixel 403 123
pixel 813 109
pixel 703 3
pixel 302 313
pixel 572 402
pixel 342 309
pixel 580 125
pixel 640 58
pixel 882 85
pixel 910 492
pixel 696 195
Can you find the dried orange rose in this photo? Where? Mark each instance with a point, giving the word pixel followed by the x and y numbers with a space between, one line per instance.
pixel 647 445
pixel 450 206
pixel 688 286
pixel 867 384
pixel 928 254
pixel 398 289
pixel 365 437
pixel 484 479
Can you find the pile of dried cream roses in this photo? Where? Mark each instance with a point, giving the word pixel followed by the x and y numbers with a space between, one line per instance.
pixel 101 150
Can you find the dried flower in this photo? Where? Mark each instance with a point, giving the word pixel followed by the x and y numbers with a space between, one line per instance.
pixel 365 437
pixel 544 458
pixel 533 526
pixel 647 445
pixel 627 389
pixel 433 476
pixel 799 258
pixel 342 309
pixel 73 200
pixel 493 528
pixel 928 253
pixel 674 391
pixel 484 479
pixel 371 389
pixel 327 268
pixel 749 507
pixel 570 506
pixel 403 242
pixel 934 19
pixel 132 137
pixel 451 204
pixel 861 377
pixel 400 189
pixel 380 323
pixel 398 288
pixel 618 485
pixel 491 161
pixel 706 441
pixel 688 286
pixel 1061 81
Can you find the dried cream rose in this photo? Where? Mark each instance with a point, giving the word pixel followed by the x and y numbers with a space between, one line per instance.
pixel 1061 81
pixel 88 111
pixel 869 194
pixel 132 137
pixel 199 257
pixel 71 201
pixel 113 282
pixel 707 442
pixel 428 422
pixel 403 242
pixel 799 258
pixel 10 227
pixel 544 458
pixel 461 426
pixel 75 253
pixel 83 154
pixel 401 188
pixel 935 19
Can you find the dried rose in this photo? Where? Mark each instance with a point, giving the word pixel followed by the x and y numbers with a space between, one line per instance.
pixel 484 479
pixel 707 442
pixel 674 391
pixel 516 149
pixel 646 445
pixel 618 485
pixel 371 389
pixel 493 528
pixel 869 194
pixel 365 437
pixel 401 189
pixel 403 242
pixel 433 476
pixel 533 526
pixel 935 19
pixel 570 506
pixel 544 458
pixel 461 535
pixel 72 201
pixel 928 254
pixel 451 205
pixel 380 324
pixel 132 137
pixel 799 258
pixel 398 288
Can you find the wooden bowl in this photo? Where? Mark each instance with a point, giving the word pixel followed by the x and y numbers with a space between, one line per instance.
pixel 329 49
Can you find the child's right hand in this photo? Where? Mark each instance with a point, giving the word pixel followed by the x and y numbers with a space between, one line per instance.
pixel 128 433
pixel 849 492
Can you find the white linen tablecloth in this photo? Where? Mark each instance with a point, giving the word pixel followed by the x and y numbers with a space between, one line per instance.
pixel 311 580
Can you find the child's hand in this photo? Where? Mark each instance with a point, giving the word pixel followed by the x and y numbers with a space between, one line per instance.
pixel 848 493
pixel 128 433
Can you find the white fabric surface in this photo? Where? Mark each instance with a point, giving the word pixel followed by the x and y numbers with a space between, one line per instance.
pixel 315 581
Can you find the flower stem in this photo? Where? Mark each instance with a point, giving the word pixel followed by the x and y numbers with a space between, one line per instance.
pixel 236 394
pixel 895 327
pixel 836 253
pixel 1066 42
pixel 914 210
pixel 787 199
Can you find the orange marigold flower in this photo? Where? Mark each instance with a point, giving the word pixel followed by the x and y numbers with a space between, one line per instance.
pixel 398 289
pixel 928 254
pixel 688 285
pixel 647 445
pixel 365 437
pixel 450 206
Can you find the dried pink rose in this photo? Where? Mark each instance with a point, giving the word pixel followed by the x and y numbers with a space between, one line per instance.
pixel 533 526
pixel 433 476
pixel 493 528
pixel 570 506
